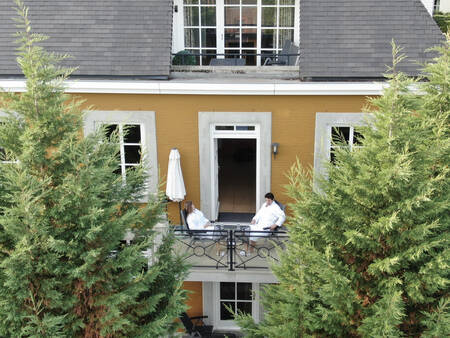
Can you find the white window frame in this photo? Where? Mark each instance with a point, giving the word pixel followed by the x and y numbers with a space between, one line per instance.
pixel 178 43
pixel 323 143
pixel 146 120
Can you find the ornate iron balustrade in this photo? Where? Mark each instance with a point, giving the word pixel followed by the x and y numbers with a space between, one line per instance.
pixel 229 249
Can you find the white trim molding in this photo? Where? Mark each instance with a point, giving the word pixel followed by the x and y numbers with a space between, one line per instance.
pixel 210 87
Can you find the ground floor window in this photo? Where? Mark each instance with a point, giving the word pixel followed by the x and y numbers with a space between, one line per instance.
pixel 236 297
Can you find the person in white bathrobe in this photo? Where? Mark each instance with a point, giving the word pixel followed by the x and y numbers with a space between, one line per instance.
pixel 195 218
pixel 267 219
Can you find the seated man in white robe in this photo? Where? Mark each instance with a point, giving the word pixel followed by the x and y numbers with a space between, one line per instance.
pixel 267 219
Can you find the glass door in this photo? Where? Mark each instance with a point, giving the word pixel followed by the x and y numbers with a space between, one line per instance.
pixel 240 30
pixel 236 28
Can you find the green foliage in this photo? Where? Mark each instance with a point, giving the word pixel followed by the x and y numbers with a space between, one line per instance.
pixel 369 251
pixel 442 20
pixel 63 214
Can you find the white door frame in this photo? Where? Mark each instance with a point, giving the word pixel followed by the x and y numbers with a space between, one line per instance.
pixel 205 120
pixel 235 134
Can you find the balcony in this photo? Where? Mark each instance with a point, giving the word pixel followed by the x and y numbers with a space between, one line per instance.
pixel 229 248
pixel 281 65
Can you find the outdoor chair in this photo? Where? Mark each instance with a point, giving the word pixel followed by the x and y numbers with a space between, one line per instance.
pixel 196 328
pixel 287 57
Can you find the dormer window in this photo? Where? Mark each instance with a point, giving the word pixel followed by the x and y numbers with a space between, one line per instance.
pixel 249 29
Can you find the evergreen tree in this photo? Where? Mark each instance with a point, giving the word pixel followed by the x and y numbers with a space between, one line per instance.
pixel 369 246
pixel 63 214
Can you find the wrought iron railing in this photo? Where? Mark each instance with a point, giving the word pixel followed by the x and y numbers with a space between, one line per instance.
pixel 229 249
pixel 186 58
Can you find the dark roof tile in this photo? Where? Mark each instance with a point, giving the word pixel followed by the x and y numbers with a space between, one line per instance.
pixel 354 36
pixel 105 38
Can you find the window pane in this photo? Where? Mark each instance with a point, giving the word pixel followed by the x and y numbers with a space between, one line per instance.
pixel 208 2
pixel 249 2
pixel 244 291
pixel 248 16
pixel 245 307
pixel 232 16
pixel 269 16
pixel 193 53
pixel 230 53
pixel 225 128
pixel 245 127
pixel 208 37
pixel 287 2
pixel 208 54
pixel 224 313
pixel 357 137
pixel 118 171
pixel 250 57
pixel 191 16
pixel 132 154
pixel 268 2
pixel 191 37
pixel 285 34
pixel 231 2
pixel 208 16
pixel 130 167
pixel 232 37
pixel 189 2
pixel 265 54
pixel 110 129
pixel 332 156
pixel 340 134
pixel 268 38
pixel 286 17
pixel 132 133
pixel 249 38
pixel 227 290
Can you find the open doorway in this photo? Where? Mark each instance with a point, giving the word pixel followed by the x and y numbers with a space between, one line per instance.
pixel 237 179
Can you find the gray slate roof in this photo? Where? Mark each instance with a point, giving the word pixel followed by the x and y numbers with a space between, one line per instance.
pixel 351 38
pixel 105 37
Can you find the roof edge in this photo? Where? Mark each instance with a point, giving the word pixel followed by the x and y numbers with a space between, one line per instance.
pixel 208 88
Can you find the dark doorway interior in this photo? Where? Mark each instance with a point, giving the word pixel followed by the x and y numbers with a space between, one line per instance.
pixel 237 179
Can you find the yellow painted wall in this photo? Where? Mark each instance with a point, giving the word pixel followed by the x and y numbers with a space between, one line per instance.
pixel 195 298
pixel 293 124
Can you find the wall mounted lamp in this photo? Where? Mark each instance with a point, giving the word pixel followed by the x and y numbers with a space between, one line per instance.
pixel 275 147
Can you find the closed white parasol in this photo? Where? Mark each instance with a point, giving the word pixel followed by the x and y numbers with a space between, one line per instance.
pixel 175 189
